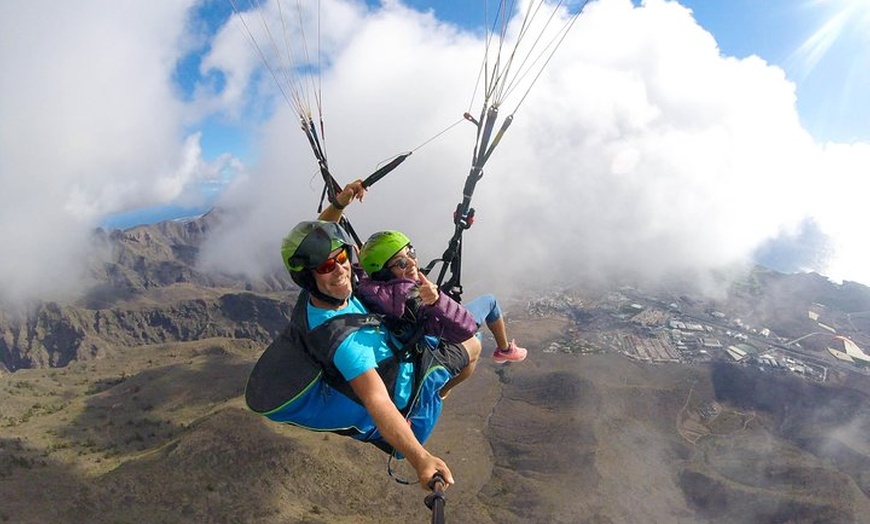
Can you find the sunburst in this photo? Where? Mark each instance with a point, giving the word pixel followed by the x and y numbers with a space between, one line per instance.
pixel 845 22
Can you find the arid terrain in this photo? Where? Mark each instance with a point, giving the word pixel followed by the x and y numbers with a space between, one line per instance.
pixel 144 421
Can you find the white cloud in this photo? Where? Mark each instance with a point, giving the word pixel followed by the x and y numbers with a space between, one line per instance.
pixel 90 124
pixel 641 146
pixel 841 182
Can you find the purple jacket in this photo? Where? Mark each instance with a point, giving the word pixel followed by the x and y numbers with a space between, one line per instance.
pixel 446 318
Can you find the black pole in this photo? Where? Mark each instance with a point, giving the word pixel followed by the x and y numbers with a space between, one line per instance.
pixel 383 171
pixel 435 500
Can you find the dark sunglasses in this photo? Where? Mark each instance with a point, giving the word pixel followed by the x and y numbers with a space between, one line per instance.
pixel 329 265
pixel 403 262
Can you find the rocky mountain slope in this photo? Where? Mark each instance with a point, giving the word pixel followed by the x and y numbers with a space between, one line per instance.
pixel 127 407
pixel 147 290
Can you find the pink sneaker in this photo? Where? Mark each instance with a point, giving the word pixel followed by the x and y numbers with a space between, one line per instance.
pixel 513 353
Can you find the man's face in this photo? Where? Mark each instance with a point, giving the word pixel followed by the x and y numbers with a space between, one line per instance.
pixel 404 264
pixel 333 276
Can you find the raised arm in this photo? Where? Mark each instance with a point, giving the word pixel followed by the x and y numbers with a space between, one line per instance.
pixel 354 190
pixel 395 430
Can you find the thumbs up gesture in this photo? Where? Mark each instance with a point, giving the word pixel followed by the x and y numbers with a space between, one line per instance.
pixel 428 291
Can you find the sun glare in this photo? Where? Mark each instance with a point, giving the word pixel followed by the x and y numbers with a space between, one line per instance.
pixel 844 22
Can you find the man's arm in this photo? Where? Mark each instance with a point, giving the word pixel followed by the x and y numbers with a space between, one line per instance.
pixel 333 212
pixel 370 388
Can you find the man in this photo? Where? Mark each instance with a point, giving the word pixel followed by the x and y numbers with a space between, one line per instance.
pixel 371 389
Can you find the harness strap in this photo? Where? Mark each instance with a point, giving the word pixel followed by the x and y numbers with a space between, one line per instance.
pixel 323 341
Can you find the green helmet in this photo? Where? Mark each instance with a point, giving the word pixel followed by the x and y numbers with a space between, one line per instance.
pixel 379 248
pixel 309 244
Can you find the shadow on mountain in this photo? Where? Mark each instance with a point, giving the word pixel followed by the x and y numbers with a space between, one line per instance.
pixel 107 295
pixel 232 466
pixel 830 423
pixel 803 452
pixel 568 432
pixel 566 437
pixel 134 413
pixel 51 489
pixel 538 438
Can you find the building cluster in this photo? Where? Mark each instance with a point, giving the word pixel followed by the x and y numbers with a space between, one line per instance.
pixel 655 332
pixel 650 349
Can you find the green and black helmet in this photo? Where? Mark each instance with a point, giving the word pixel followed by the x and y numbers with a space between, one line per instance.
pixel 307 246
pixel 379 248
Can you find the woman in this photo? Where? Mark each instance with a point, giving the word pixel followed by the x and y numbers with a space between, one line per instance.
pixel 403 291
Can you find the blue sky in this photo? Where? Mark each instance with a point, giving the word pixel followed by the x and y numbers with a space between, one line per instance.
pixel 687 140
pixel 831 98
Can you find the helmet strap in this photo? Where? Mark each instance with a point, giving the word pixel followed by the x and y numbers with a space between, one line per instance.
pixel 332 301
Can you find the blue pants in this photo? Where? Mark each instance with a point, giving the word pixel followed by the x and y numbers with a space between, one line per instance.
pixel 484 309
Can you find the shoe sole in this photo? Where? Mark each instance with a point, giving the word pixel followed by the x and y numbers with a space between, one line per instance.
pixel 505 361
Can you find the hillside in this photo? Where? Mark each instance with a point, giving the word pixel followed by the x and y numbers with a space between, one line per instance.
pixel 131 410
pixel 562 438
pixel 147 289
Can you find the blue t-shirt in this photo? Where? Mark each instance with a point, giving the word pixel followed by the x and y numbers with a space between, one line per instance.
pixel 363 349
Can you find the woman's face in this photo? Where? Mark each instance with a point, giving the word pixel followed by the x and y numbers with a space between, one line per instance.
pixel 404 263
pixel 333 276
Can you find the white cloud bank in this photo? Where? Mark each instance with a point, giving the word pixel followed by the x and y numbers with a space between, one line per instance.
pixel 640 148
pixel 90 124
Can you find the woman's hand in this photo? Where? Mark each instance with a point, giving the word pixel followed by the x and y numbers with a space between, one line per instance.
pixel 429 292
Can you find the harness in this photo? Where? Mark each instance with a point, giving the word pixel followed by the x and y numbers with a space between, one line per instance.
pixel 296 382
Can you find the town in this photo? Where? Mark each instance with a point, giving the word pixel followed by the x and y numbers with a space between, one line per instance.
pixel 647 329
